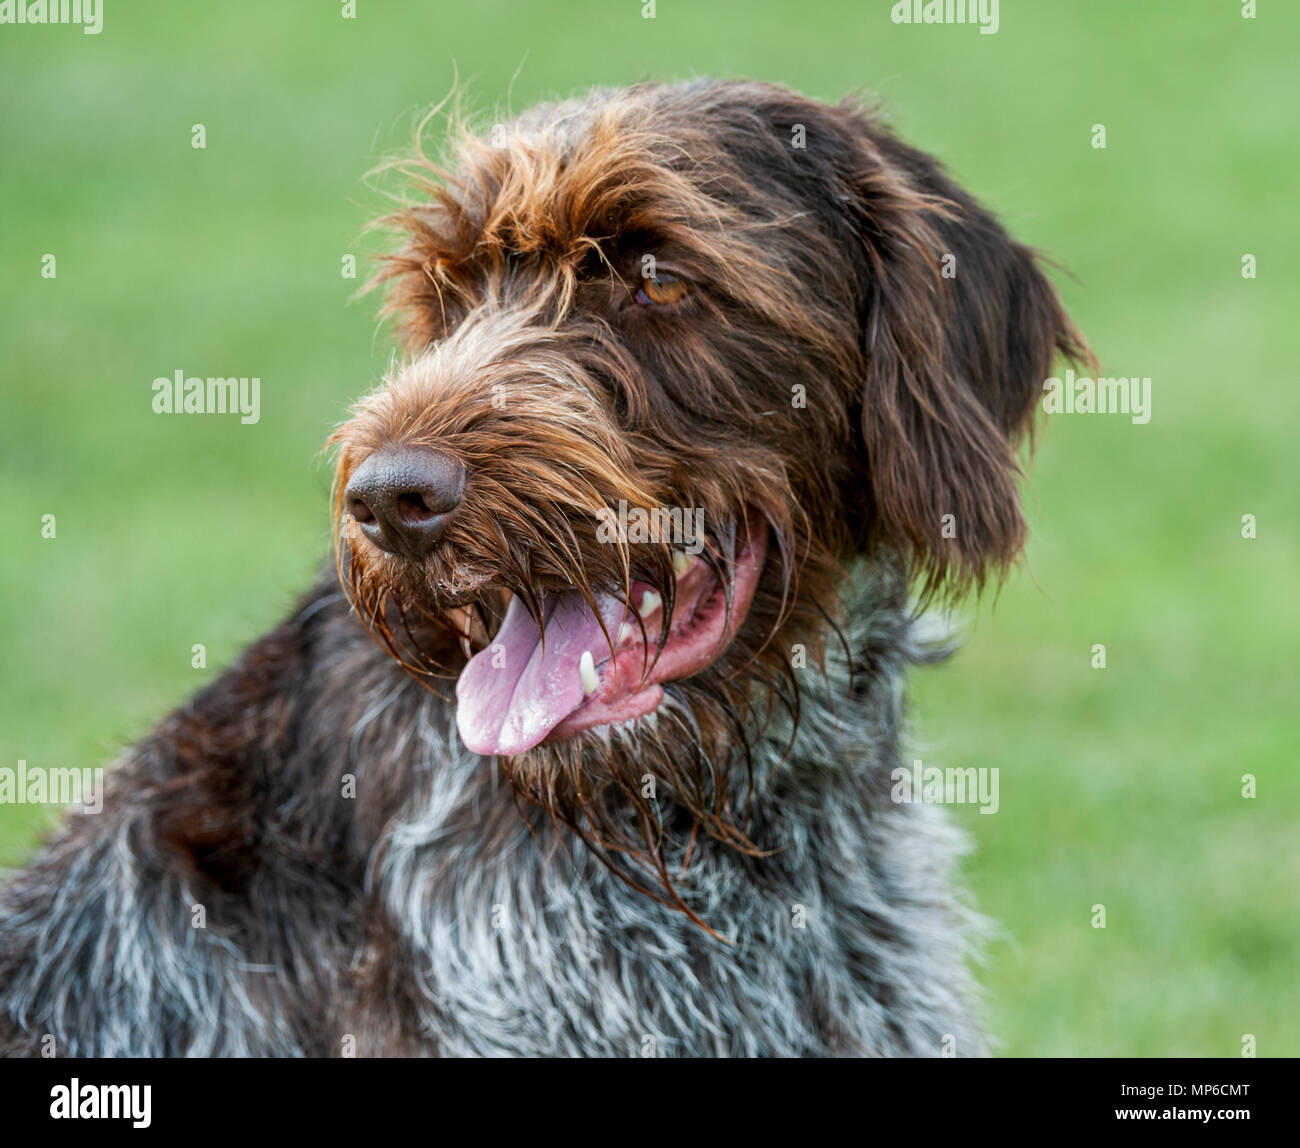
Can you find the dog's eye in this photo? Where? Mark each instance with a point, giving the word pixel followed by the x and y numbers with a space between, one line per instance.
pixel 661 289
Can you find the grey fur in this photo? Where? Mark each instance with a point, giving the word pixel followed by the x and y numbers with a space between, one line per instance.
pixel 464 928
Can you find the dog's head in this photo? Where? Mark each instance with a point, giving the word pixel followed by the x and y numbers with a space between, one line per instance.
pixel 676 353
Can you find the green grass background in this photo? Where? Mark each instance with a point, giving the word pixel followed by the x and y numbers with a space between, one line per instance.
pixel 1118 786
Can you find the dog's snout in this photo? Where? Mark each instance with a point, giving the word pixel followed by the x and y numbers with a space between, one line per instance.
pixel 402 498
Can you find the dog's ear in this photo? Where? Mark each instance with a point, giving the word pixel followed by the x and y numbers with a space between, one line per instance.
pixel 960 328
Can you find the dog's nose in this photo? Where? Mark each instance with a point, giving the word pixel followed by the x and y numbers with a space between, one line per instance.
pixel 402 498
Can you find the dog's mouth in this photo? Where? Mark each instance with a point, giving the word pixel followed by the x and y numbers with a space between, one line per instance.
pixel 522 690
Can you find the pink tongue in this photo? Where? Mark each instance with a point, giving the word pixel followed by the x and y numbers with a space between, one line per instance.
pixel 511 695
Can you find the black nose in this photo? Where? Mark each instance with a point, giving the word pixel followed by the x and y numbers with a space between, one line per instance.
pixel 402 498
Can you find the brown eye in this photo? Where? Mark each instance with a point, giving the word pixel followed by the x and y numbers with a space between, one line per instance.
pixel 661 289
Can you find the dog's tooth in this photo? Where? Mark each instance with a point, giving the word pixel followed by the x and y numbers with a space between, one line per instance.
pixel 461 620
pixel 681 562
pixel 587 672
pixel 650 602
pixel 624 632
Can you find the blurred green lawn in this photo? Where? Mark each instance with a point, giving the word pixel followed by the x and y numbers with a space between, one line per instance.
pixel 1118 786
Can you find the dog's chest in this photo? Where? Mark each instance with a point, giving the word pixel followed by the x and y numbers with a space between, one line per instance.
pixel 515 947
pixel 557 957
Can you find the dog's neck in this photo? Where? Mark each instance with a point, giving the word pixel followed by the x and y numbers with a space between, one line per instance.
pixel 492 911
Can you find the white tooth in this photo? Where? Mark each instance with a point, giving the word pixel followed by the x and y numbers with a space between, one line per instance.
pixel 624 632
pixel 681 562
pixel 650 602
pixel 587 672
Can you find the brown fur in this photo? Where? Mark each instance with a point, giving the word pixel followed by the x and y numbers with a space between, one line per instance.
pixel 816 267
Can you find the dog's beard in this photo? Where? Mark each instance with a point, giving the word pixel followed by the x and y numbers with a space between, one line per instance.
pixel 641 796
pixel 645 792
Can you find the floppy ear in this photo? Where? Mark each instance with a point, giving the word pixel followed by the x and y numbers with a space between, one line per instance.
pixel 960 328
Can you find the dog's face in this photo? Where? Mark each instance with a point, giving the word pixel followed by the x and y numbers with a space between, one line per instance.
pixel 676 354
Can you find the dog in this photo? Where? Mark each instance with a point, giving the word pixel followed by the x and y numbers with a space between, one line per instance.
pixel 710 403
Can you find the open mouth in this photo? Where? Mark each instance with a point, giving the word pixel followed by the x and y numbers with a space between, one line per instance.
pixel 521 691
